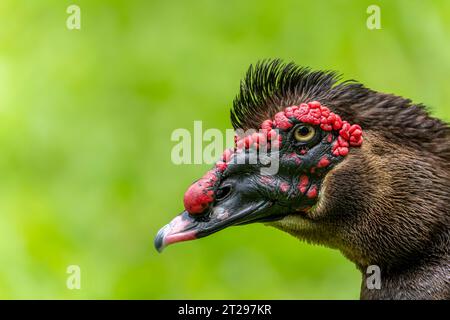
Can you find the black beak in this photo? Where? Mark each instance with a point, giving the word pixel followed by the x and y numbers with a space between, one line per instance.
pixel 185 227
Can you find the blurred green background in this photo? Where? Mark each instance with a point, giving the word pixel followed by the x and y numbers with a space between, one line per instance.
pixel 86 118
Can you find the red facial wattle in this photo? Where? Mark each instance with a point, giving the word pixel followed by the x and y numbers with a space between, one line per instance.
pixel 200 195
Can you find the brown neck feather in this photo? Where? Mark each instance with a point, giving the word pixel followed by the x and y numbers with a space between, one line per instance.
pixel 387 205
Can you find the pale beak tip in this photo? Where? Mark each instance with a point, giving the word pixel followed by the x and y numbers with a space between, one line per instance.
pixel 159 242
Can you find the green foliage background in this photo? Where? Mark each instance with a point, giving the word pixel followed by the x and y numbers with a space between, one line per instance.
pixel 85 123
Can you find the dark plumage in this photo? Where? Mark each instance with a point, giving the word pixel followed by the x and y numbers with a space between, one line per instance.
pixel 386 203
pixel 271 85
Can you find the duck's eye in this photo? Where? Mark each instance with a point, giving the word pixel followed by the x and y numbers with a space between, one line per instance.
pixel 304 133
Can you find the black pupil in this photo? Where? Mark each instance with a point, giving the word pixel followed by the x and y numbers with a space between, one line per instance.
pixel 222 192
pixel 304 131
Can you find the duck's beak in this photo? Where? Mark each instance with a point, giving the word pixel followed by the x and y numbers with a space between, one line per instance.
pixel 181 228
pixel 185 227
